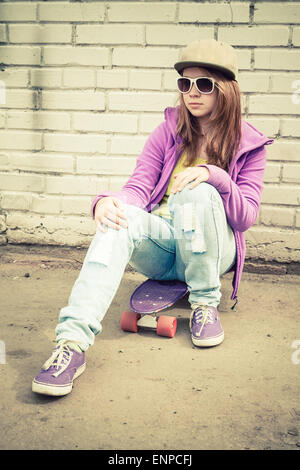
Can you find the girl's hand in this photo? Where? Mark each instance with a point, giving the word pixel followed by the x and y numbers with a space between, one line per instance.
pixel 197 174
pixel 109 211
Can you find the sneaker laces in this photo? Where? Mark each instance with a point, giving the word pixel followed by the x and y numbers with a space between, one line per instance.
pixel 60 359
pixel 202 314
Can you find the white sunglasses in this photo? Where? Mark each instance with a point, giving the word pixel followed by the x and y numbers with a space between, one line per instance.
pixel 204 85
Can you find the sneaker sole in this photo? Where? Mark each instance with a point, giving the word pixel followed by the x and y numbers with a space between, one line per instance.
pixel 57 390
pixel 205 343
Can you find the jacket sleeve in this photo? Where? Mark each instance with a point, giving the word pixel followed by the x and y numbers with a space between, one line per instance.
pixel 139 187
pixel 241 199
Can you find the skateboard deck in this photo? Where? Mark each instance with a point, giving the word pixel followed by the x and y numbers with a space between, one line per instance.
pixel 149 298
pixel 154 296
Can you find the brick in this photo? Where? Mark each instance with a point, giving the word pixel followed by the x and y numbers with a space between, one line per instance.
pixel 290 127
pixel 276 59
pixel 20 55
pixel 50 229
pixel 21 182
pixel 296 36
pixel 18 11
pixel 117 182
pixel 272 104
pixel 213 13
pixel 46 78
pixel 112 78
pixel 277 216
pixel 176 34
pixel 3 94
pixel 109 34
pixel 15 77
pixel 254 35
pixel 105 122
pixel 38 120
pixel 272 173
pixel 65 11
pixel 149 121
pixel 243 103
pixel 2 120
pixel 73 205
pixel 244 58
pixel 124 145
pixel 267 126
pixel 75 185
pixel 145 79
pixel 73 100
pixel 283 82
pixel 43 34
pixel 274 244
pixel 102 184
pixel 162 12
pixel 138 101
pixel 69 55
pixel 3 33
pixel 15 140
pixel 16 200
pixel 78 78
pixel 284 150
pixel 253 81
pixel 3 239
pixel 281 194
pixel 75 143
pixel 20 99
pixel 2 224
pixel 144 57
pixel 291 173
pixel 279 12
pixel 170 80
pixel 41 162
pixel 106 165
pixel 45 204
pixel 4 161
pixel 296 92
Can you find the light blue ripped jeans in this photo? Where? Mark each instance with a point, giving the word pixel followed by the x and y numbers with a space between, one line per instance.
pixel 197 246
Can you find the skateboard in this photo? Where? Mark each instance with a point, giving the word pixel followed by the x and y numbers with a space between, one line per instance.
pixel 147 300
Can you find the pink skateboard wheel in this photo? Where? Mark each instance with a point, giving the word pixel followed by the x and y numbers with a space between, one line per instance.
pixel 166 326
pixel 129 321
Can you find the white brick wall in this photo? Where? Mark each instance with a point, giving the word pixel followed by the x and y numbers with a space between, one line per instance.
pixel 86 83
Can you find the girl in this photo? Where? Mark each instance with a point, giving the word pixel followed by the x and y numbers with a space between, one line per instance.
pixel 195 189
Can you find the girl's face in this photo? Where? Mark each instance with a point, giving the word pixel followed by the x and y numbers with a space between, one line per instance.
pixel 200 105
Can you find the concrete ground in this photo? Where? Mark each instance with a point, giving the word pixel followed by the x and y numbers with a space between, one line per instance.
pixel 142 391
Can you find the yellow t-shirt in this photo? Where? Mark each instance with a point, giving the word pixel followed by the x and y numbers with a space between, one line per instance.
pixel 163 210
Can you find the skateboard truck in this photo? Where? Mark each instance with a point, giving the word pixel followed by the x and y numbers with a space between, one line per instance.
pixel 148 322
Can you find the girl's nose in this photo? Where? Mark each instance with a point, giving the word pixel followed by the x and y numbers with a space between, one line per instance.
pixel 194 90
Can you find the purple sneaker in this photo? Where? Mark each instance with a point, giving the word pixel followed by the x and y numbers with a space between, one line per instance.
pixel 57 374
pixel 205 326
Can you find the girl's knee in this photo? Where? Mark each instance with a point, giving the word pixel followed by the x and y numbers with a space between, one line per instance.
pixel 139 224
pixel 134 215
pixel 199 194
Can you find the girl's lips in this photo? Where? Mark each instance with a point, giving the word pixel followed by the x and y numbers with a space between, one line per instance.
pixel 195 104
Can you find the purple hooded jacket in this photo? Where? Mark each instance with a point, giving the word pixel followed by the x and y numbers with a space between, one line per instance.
pixel 240 188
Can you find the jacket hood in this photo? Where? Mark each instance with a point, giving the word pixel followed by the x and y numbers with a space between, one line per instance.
pixel 251 137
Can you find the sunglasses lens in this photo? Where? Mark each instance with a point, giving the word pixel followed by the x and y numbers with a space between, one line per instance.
pixel 204 85
pixel 183 84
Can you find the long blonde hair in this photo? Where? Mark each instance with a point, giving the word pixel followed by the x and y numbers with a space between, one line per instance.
pixel 224 134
